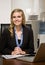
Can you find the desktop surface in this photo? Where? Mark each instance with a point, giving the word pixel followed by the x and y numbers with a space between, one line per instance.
pixel 19 62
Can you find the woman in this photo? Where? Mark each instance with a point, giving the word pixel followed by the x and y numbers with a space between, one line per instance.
pixel 17 39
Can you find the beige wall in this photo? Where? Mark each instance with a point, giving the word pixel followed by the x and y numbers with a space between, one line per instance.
pixel 5 10
pixel 42 5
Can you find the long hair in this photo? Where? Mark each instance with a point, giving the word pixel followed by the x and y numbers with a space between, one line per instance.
pixel 12 24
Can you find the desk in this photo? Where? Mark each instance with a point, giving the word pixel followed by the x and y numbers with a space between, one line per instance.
pixel 19 62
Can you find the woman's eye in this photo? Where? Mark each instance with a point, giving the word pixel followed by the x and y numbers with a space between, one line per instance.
pixel 19 16
pixel 14 17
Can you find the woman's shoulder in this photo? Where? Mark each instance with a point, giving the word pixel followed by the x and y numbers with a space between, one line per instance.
pixel 26 27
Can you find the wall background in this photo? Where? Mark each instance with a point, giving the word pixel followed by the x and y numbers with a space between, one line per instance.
pixel 5 9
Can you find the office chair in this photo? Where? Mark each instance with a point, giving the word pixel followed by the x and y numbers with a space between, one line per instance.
pixel 0 30
pixel 3 26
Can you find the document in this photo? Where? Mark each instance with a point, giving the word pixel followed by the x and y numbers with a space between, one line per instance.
pixel 12 56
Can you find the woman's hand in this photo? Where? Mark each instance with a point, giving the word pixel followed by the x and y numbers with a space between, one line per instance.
pixel 18 51
pixel 23 52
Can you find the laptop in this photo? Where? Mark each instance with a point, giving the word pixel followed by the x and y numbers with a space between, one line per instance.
pixel 39 56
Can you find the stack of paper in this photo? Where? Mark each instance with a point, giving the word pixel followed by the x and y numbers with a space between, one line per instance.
pixel 11 56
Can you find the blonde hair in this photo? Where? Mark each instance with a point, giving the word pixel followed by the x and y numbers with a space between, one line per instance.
pixel 12 24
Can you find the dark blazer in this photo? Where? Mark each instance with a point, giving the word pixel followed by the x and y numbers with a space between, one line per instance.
pixel 8 43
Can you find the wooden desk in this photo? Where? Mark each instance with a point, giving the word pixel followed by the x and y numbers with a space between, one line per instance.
pixel 18 62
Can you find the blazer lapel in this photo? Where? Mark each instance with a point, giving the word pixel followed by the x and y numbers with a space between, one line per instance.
pixel 24 37
pixel 14 39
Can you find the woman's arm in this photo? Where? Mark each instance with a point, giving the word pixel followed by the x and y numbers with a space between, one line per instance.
pixel 4 49
pixel 30 46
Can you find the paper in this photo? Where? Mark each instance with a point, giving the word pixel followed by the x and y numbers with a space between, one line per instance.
pixel 11 56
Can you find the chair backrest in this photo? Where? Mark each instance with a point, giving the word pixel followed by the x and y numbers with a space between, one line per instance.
pixel 29 26
pixel 0 30
pixel 3 26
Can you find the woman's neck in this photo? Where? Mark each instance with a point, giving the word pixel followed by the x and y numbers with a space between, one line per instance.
pixel 18 28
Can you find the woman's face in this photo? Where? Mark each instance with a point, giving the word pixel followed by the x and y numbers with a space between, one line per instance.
pixel 17 18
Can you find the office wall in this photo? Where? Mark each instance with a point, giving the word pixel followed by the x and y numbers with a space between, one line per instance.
pixel 5 10
pixel 23 4
pixel 42 5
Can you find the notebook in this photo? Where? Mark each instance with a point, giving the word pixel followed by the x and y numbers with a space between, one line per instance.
pixel 39 56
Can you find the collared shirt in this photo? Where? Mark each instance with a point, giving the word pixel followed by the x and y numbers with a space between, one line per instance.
pixel 21 38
